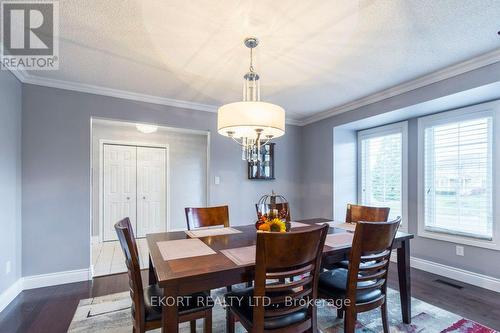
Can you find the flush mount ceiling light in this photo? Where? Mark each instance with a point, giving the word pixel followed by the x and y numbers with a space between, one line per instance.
pixel 145 128
pixel 251 123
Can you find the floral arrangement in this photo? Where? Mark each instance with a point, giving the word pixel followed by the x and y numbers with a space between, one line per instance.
pixel 270 224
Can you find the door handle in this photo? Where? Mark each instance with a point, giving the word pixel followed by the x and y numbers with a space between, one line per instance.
pixel 128 198
pixel 144 198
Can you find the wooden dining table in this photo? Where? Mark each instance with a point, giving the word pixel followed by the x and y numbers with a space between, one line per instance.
pixel 185 276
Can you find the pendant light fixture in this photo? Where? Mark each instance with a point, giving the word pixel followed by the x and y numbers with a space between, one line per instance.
pixel 251 123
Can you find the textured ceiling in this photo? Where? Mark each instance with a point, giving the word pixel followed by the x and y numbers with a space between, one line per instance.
pixel 313 55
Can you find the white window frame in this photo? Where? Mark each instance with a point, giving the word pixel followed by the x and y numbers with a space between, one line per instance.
pixel 400 127
pixel 476 111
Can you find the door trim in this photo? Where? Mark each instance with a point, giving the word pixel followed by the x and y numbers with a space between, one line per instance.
pixel 103 142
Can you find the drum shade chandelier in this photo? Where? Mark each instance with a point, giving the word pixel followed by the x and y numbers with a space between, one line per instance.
pixel 251 123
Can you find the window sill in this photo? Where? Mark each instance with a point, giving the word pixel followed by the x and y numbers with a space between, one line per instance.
pixel 492 245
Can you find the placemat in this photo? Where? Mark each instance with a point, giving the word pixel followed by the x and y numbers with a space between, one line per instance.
pixel 241 255
pixel 205 232
pixel 183 248
pixel 339 240
pixel 294 224
pixel 341 225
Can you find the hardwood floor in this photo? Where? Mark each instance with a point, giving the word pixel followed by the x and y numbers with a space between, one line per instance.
pixel 51 309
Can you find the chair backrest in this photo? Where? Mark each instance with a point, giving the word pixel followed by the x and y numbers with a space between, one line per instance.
pixel 127 241
pixel 279 206
pixel 291 255
pixel 356 213
pixel 207 217
pixel 369 260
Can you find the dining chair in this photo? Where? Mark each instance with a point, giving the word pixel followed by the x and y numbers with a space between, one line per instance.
pixel 356 213
pixel 204 217
pixel 146 302
pixel 280 306
pixel 363 285
pixel 207 217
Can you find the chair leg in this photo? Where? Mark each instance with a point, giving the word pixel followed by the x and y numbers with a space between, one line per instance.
pixel 229 321
pixel 139 328
pixel 249 284
pixel 340 313
pixel 207 322
pixel 192 324
pixel 229 289
pixel 385 318
pixel 350 321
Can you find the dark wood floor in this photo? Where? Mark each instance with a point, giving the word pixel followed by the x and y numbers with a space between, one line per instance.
pixel 50 310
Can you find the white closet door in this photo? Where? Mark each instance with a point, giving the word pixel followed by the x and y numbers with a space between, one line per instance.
pixel 151 196
pixel 119 187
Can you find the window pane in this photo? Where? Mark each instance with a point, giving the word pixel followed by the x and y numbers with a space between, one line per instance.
pixel 458 178
pixel 381 172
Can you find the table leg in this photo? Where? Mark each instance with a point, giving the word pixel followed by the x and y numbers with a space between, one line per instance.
pixel 404 280
pixel 152 276
pixel 170 313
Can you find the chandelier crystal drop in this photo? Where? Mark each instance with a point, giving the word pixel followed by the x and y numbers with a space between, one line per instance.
pixel 251 123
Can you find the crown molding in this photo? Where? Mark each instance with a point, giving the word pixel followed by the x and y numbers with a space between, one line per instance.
pixel 292 121
pixel 20 74
pixel 117 93
pixel 24 77
pixel 443 74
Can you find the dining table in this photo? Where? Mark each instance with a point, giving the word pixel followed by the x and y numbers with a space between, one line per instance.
pixel 180 276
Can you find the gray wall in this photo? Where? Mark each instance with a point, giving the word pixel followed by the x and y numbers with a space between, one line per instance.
pixel 318 181
pixel 345 171
pixel 56 171
pixel 10 178
pixel 187 177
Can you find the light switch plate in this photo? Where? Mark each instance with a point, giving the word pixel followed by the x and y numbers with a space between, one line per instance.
pixel 216 180
pixel 8 267
pixel 460 250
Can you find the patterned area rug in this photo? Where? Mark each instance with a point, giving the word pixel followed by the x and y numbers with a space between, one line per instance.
pixel 111 314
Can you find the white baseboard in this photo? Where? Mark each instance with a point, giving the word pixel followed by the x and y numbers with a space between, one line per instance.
pixel 52 279
pixel 458 274
pixel 8 295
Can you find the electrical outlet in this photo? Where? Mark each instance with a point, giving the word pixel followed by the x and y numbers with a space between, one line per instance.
pixel 8 267
pixel 460 250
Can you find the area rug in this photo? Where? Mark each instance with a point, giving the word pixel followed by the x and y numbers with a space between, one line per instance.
pixel 111 314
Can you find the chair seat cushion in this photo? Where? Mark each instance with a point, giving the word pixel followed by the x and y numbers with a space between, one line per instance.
pixel 189 304
pixel 334 284
pixel 240 301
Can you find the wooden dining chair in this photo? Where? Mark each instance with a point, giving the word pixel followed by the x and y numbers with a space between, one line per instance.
pixel 363 285
pixel 356 213
pixel 207 217
pixel 146 302
pixel 281 306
